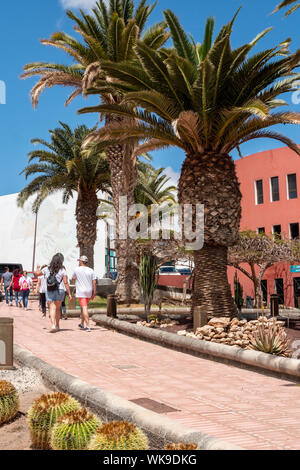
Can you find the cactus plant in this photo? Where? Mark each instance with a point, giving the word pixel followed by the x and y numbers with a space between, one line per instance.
pixel 119 435
pixel 181 446
pixel 74 430
pixel 148 280
pixel 238 292
pixel 44 413
pixel 270 339
pixel 9 401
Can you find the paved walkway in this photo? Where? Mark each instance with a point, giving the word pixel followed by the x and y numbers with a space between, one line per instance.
pixel 243 407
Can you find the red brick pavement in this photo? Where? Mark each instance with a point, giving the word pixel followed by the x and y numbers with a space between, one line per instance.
pixel 243 407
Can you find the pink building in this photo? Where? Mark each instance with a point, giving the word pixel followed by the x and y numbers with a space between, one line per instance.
pixel 270 185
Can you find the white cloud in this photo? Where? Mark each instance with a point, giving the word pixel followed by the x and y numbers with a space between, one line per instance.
pixel 173 175
pixel 84 4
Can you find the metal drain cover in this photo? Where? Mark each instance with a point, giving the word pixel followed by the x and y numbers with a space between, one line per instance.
pixel 124 367
pixel 154 405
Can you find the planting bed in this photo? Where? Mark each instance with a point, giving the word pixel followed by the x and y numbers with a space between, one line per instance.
pixel 15 434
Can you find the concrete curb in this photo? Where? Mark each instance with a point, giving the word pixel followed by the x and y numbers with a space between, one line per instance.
pixel 159 428
pixel 260 361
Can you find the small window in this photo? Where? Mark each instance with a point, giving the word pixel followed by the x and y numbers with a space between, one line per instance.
pixel 292 186
pixel 294 231
pixel 259 192
pixel 264 288
pixel 279 290
pixel 277 231
pixel 275 189
pixel 261 230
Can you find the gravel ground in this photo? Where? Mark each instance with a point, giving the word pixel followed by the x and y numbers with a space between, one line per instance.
pixel 23 378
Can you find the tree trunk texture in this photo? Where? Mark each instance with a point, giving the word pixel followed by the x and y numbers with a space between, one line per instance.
pixel 86 216
pixel 123 182
pixel 210 179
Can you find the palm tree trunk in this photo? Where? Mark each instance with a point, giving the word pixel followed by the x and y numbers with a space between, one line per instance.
pixel 86 216
pixel 210 179
pixel 123 182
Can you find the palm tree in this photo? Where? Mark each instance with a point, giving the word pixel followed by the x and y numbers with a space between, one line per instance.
pixel 287 3
pixel 153 186
pixel 110 33
pixel 60 166
pixel 207 106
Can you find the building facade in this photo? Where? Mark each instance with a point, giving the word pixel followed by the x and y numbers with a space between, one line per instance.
pixel 55 232
pixel 270 187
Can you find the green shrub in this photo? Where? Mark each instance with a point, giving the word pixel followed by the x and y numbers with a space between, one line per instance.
pixel 44 413
pixel 73 431
pixel 9 401
pixel 119 436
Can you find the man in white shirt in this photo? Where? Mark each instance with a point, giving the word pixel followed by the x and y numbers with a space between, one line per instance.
pixel 85 282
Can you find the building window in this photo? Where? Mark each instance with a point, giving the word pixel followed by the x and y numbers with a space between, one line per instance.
pixel 275 189
pixel 261 230
pixel 259 191
pixel 279 290
pixel 292 186
pixel 294 231
pixel 264 288
pixel 277 231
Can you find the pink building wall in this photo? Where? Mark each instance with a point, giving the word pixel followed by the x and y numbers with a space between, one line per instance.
pixel 262 166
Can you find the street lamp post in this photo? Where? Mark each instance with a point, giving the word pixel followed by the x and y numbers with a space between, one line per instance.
pixel 34 241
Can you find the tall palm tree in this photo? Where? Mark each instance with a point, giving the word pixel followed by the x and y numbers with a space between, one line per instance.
pixel 61 166
pixel 288 3
pixel 207 106
pixel 110 33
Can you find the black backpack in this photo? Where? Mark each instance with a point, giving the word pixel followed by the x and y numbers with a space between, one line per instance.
pixel 52 282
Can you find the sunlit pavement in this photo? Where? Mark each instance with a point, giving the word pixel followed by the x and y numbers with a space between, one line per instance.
pixel 243 407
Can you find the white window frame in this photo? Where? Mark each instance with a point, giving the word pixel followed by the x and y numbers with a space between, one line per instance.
pixel 255 189
pixel 287 186
pixel 271 191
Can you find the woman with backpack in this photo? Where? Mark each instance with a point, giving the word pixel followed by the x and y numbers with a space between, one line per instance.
pixel 25 285
pixel 15 284
pixel 57 285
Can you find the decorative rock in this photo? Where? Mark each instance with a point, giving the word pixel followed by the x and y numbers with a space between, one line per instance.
pixel 182 332
pixel 217 322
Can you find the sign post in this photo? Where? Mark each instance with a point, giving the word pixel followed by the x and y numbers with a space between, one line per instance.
pixel 6 343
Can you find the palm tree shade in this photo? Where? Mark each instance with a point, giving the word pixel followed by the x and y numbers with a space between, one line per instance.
pixel 60 166
pixel 207 105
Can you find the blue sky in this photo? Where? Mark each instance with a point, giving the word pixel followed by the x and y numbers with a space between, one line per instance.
pixel 25 23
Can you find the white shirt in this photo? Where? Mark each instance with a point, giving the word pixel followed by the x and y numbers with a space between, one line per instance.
pixel 43 285
pixel 84 278
pixel 59 277
pixel 27 279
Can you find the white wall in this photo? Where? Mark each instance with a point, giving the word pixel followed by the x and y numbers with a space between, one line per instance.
pixel 56 232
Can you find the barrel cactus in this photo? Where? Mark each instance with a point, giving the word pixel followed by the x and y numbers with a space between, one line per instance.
pixel 44 413
pixel 181 446
pixel 9 401
pixel 119 436
pixel 73 431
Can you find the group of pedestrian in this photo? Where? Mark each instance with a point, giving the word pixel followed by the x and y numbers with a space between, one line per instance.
pixel 17 287
pixel 53 287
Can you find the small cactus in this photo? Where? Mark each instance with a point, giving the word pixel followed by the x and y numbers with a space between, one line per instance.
pixel 119 436
pixel 9 401
pixel 43 415
pixel 181 446
pixel 73 431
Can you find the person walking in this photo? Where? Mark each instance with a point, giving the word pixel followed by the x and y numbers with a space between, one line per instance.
pixel 85 282
pixel 25 285
pixel 41 289
pixel 57 285
pixel 6 285
pixel 15 284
